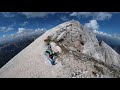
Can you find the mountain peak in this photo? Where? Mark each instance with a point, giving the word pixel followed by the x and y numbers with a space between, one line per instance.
pixel 82 55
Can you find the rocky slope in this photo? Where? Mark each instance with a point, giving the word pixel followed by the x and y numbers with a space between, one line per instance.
pixel 9 49
pixel 82 56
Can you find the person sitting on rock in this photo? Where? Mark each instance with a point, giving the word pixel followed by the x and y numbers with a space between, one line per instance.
pixel 52 52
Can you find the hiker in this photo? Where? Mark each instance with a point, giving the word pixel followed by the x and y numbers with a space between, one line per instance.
pixel 49 53
pixel 52 52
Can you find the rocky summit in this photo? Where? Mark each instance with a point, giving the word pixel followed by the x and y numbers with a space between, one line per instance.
pixel 83 56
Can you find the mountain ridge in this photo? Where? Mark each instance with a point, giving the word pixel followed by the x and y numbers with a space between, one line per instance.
pixel 80 43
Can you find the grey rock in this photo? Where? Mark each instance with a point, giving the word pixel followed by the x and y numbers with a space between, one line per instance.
pixel 85 58
pixel 78 38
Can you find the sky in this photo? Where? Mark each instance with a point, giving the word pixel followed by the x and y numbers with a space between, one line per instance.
pixel 16 24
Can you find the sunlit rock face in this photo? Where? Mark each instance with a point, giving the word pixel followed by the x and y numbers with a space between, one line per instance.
pixel 83 56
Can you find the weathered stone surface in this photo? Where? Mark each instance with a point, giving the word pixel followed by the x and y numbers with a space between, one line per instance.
pixel 85 57
pixel 79 38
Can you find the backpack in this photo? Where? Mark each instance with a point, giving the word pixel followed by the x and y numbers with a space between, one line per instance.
pixel 49 51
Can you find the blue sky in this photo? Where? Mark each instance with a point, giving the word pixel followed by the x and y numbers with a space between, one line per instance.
pixel 14 24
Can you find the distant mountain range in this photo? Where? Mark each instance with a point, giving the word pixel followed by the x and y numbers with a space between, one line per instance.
pixel 113 42
pixel 9 49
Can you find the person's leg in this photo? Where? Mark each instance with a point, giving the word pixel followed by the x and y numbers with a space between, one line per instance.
pixel 52 62
pixel 52 59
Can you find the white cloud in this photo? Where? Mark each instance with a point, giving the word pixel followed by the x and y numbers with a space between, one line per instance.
pixel 102 15
pixel 94 15
pixel 85 14
pixel 25 32
pixel 4 36
pixel 6 29
pixel 64 18
pixel 22 32
pixel 107 34
pixel 24 23
pixel 39 29
pixel 117 35
pixel 102 33
pixel 92 25
pixel 36 14
pixel 7 14
pixel 13 24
